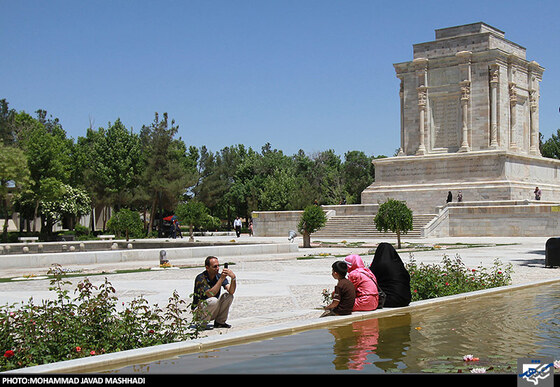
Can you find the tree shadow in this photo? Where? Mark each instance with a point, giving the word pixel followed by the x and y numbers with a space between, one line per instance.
pixel 537 262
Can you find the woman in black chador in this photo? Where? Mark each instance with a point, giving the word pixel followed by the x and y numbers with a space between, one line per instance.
pixel 391 275
pixel 449 197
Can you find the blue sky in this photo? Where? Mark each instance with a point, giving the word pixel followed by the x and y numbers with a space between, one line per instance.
pixel 308 74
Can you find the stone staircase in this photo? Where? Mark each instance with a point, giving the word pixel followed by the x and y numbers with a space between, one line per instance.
pixel 363 226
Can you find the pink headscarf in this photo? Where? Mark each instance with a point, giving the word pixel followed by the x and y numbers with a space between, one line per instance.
pixel 355 262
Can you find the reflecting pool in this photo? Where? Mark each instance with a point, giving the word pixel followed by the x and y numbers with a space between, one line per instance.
pixel 497 329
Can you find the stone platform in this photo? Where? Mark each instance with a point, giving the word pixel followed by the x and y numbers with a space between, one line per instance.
pixel 424 181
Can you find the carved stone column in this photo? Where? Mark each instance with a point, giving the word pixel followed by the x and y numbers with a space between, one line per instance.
pixel 534 107
pixel 422 75
pixel 534 148
pixel 512 88
pixel 465 85
pixel 465 96
pixel 401 95
pixel 512 115
pixel 422 99
pixel 494 80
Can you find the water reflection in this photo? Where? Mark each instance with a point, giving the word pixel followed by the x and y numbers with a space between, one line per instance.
pixel 499 329
pixel 379 343
pixel 353 343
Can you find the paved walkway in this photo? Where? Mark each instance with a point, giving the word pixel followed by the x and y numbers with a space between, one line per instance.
pixel 281 288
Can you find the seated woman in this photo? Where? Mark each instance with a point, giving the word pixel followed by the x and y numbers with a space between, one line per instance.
pixel 392 276
pixel 367 296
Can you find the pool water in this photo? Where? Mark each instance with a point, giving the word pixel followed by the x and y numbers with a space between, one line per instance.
pixel 497 329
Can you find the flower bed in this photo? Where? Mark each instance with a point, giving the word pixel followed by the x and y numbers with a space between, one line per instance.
pixel 87 325
pixel 453 277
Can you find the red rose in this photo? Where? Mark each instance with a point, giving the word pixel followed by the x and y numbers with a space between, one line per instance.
pixel 9 354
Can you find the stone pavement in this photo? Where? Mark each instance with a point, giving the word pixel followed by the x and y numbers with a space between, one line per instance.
pixel 280 288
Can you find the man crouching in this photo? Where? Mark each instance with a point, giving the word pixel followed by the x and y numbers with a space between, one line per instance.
pixel 207 286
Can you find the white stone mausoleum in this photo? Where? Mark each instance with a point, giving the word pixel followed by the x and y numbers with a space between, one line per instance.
pixel 469 123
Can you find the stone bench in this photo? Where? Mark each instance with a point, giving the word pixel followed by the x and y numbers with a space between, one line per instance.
pixel 109 237
pixel 28 239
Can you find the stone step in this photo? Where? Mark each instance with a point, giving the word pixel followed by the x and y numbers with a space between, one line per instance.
pixel 363 226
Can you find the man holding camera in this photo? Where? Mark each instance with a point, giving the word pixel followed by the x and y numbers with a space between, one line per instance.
pixel 207 286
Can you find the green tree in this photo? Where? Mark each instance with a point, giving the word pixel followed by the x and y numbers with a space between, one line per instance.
pixel 84 175
pixel 23 125
pixel 326 179
pixel 195 214
pixel 48 200
pixel 62 200
pixel 551 147
pixel 114 163
pixel 394 215
pixel 211 186
pixel 48 152
pixel 312 219
pixel 264 181
pixel 219 187
pixel 14 177
pixel 7 123
pixel 165 178
pixel 305 193
pixel 277 191
pixel 126 222
pixel 357 174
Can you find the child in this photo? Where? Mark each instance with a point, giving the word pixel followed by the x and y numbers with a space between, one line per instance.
pixel 344 292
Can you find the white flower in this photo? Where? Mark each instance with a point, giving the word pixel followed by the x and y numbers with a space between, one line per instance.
pixel 468 357
pixel 478 371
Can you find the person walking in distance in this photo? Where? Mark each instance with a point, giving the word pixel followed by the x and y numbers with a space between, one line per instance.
pixel 237 226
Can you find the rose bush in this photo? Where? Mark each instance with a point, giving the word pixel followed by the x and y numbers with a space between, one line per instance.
pixel 88 324
pixel 453 277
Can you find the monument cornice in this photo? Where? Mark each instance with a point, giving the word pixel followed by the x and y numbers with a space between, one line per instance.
pixel 446 40
pixel 472 154
pixel 496 55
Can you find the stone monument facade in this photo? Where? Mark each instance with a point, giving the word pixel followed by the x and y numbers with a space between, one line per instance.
pixel 470 89
pixel 469 117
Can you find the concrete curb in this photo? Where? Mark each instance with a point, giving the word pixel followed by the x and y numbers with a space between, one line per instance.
pixel 20 261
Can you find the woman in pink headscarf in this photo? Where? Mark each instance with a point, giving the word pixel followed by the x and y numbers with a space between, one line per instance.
pixel 367 296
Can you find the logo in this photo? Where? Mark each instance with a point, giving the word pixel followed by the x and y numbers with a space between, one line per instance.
pixel 535 372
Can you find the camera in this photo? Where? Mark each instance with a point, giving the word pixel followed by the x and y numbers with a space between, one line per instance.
pixel 226 265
